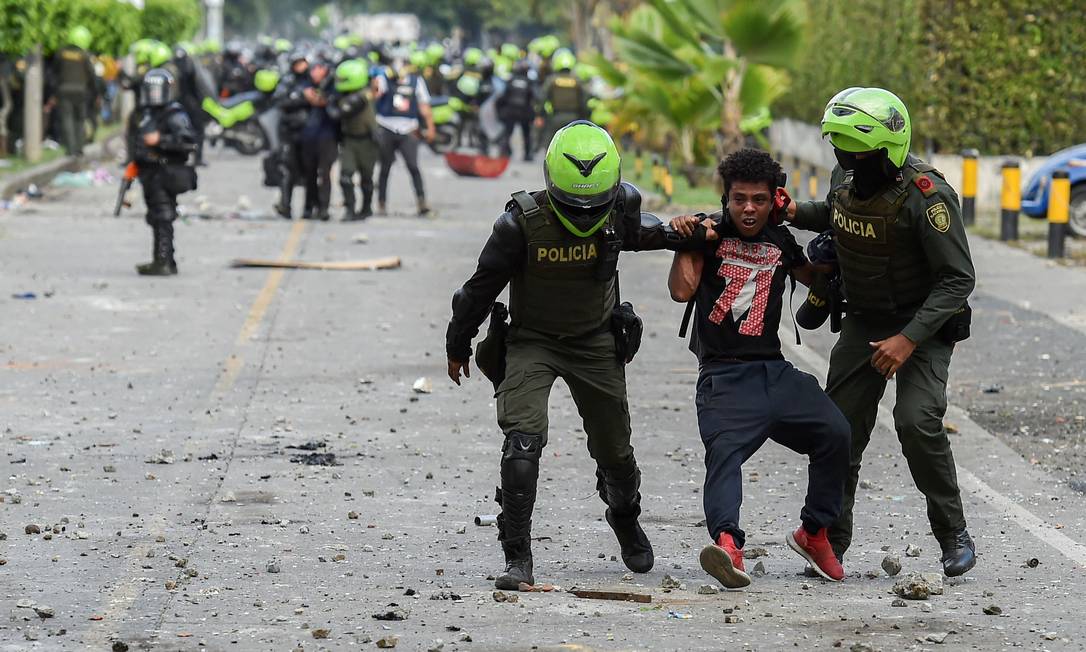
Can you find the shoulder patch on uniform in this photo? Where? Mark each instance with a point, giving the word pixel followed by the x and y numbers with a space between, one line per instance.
pixel 925 184
pixel 939 217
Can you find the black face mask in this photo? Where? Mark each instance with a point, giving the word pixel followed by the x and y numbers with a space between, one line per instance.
pixel 870 174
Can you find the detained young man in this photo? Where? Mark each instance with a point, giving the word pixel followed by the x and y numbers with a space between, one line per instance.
pixel 747 392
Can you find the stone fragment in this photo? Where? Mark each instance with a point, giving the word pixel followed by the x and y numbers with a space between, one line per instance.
pixel 353 515
pixel 992 610
pixel 32 529
pixel 898 602
pixel 387 642
pixel 758 570
pixel 501 596
pixel 708 589
pixel 891 564
pixel 669 582
pixel 423 386
pixel 917 586
pixel 321 632
pixel 273 567
pixel 913 551
pixel 755 553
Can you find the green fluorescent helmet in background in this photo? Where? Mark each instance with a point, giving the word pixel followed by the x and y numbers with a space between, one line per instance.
pixel 564 59
pixel 282 45
pixel 468 84
pixel 352 75
pixel 583 172
pixel 158 54
pixel 435 52
pixel 419 59
pixel 140 49
pixel 265 81
pixel 510 51
pixel 80 37
pixel 341 42
pixel 472 56
pixel 868 119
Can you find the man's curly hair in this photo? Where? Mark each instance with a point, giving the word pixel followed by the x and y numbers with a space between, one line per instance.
pixel 752 165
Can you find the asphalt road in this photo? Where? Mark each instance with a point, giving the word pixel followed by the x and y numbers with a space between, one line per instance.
pixel 148 426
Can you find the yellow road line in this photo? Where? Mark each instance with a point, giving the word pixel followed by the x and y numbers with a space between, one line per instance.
pixel 124 593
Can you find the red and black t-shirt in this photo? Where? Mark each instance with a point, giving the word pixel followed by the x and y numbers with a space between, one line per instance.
pixel 740 296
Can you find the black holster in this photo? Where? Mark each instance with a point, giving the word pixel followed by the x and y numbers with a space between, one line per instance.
pixel 627 328
pixel 956 328
pixel 490 352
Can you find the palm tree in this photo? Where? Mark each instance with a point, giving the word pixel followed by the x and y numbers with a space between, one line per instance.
pixel 730 54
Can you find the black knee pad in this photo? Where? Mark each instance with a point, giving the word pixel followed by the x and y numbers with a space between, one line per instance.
pixel 520 461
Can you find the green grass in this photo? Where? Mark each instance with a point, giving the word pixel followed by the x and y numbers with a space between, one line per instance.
pixel 19 164
pixel 1032 237
pixel 701 198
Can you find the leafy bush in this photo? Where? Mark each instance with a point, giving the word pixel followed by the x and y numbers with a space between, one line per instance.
pixel 997 76
pixel 170 21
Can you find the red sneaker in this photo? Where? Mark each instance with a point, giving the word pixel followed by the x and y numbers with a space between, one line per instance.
pixel 816 549
pixel 724 561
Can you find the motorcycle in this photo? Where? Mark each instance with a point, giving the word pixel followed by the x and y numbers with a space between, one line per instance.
pixel 446 113
pixel 246 121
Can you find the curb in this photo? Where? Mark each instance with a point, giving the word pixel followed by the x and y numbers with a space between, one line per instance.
pixel 44 173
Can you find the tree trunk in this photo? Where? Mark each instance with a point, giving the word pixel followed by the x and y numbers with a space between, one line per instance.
pixel 581 24
pixel 6 70
pixel 731 110
pixel 32 106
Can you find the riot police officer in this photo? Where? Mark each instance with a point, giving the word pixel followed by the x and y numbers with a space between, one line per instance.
pixel 559 248
pixel 72 86
pixel 516 107
pixel 318 143
pixel 906 275
pixel 564 96
pixel 294 107
pixel 352 107
pixel 164 143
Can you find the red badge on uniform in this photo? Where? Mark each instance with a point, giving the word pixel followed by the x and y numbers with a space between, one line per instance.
pixel 923 183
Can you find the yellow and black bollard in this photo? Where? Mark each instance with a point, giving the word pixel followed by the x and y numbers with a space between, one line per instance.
pixel 812 183
pixel 797 173
pixel 1011 201
pixel 969 186
pixel 639 163
pixel 657 175
pixel 668 182
pixel 1059 212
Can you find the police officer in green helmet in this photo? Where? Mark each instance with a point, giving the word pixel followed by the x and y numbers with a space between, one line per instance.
pixel 907 274
pixel 352 107
pixel 564 95
pixel 558 250
pixel 71 87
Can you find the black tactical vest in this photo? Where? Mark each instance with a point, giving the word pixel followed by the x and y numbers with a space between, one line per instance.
pixel 559 291
pixel 565 94
pixel 883 266
pixel 72 71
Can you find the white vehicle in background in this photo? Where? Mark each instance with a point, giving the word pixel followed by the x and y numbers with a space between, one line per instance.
pixel 384 28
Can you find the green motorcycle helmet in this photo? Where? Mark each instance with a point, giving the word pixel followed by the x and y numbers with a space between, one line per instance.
pixel 510 51
pixel 211 46
pixel 419 59
pixel 80 37
pixel 158 54
pixel 265 81
pixel 585 71
pixel 472 56
pixel 140 49
pixel 352 75
pixel 468 85
pixel 435 52
pixel 282 45
pixel 564 59
pixel 583 172
pixel 868 119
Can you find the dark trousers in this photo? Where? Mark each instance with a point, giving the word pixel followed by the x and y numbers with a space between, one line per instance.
pixel 290 170
pixel 740 406
pixel 857 388
pixel 72 114
pixel 408 147
pixel 511 125
pixel 161 211
pixel 317 157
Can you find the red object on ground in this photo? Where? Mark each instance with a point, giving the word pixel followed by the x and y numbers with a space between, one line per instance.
pixel 476 165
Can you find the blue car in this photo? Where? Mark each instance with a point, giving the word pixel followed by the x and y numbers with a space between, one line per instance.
pixel 1035 194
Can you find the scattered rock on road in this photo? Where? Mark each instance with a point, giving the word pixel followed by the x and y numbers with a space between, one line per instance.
pixel 891 564
pixel 913 551
pixel 388 642
pixel 919 586
pixel 992 610
pixel 669 582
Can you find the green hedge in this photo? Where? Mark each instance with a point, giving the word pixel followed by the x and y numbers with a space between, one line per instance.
pixel 170 21
pixel 1003 77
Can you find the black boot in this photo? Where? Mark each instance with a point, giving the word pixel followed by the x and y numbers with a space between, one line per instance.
pixel 349 212
pixel 959 554
pixel 286 194
pixel 619 489
pixel 514 532
pixel 367 203
pixel 162 263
